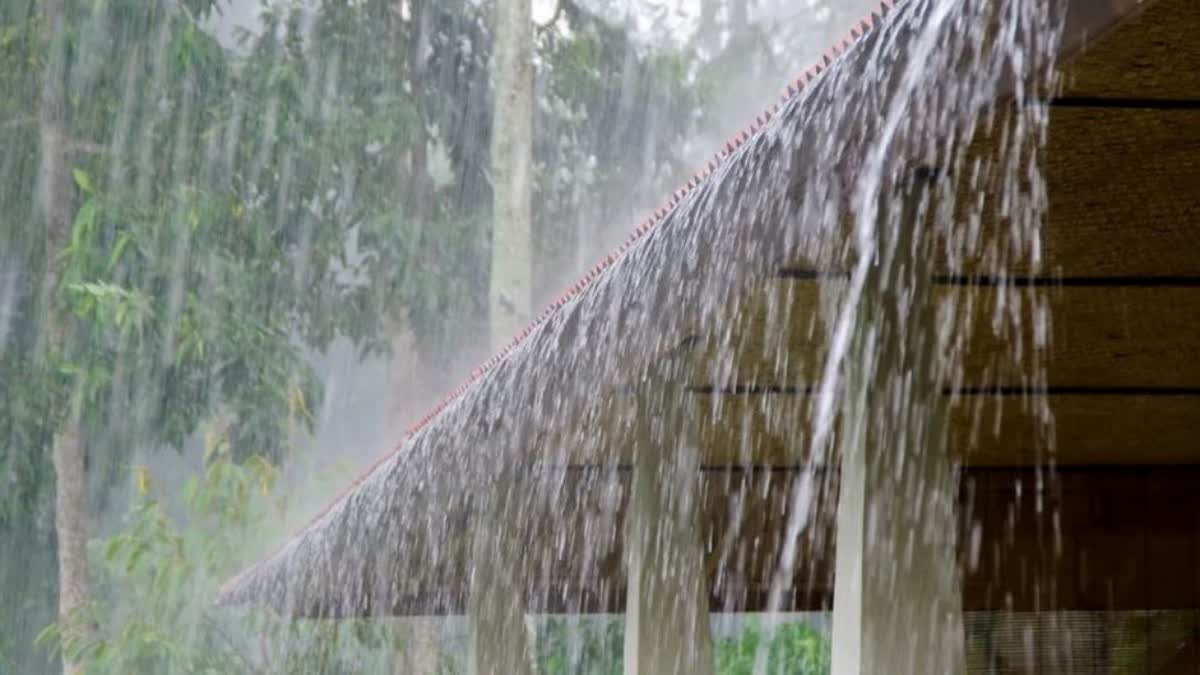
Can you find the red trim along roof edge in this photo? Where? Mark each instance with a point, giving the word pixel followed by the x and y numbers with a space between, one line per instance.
pixel 832 55
pixel 731 146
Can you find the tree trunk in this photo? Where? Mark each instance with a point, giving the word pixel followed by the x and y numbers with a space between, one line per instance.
pixel 420 187
pixel 70 526
pixel 512 130
pixel 67 449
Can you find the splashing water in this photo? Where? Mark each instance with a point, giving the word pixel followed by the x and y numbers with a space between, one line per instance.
pixel 543 442
pixel 772 318
pixel 952 46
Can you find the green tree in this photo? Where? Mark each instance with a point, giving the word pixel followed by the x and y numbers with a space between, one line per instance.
pixel 596 648
pixel 794 648
pixel 170 287
pixel 209 217
pixel 154 575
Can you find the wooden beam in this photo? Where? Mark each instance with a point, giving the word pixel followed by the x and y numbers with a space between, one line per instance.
pixel 1121 189
pixel 1131 336
pixel 1088 430
pixel 1104 428
pixel 1153 54
pixel 1095 336
pixel 1120 183
pixel 1122 374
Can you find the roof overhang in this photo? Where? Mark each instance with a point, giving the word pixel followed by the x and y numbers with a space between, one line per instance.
pixel 723 285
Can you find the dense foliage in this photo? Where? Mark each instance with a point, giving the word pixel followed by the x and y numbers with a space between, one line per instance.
pixel 155 569
pixel 157 566
pixel 237 206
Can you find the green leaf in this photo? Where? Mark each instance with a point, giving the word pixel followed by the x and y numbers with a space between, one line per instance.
pixel 113 548
pixel 118 250
pixel 83 180
pixel 85 220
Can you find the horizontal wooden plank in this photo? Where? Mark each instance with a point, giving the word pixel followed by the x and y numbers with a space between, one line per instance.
pixel 1122 198
pixel 1107 429
pixel 1121 190
pixel 1094 336
pixel 1088 430
pixel 1121 379
pixel 1153 54
pixel 1097 336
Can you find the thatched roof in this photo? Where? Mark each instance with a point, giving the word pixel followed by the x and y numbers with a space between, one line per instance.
pixel 396 542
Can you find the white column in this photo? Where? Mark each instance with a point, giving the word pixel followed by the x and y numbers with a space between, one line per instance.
pixel 667 626
pixel 897 601
pixel 498 638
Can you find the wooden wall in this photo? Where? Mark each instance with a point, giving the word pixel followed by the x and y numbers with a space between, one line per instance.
pixel 1031 540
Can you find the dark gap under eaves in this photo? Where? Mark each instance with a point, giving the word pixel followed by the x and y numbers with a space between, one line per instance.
pixel 1170 281
pixel 999 391
pixel 1119 102
pixel 1120 281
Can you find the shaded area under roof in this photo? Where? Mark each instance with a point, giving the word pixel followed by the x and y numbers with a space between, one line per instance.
pixel 394 544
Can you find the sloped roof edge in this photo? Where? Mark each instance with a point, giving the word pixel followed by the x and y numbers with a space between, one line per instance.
pixel 273 578
pixel 860 29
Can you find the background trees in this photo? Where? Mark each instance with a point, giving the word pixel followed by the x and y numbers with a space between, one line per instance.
pixel 193 212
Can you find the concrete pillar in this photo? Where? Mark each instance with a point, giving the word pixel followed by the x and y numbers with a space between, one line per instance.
pixel 897 598
pixel 498 637
pixel 667 626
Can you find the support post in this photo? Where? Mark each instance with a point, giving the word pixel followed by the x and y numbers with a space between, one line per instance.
pixel 897 600
pixel 667 625
pixel 498 638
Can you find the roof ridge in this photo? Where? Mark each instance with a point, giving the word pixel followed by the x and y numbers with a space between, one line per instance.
pixel 858 31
